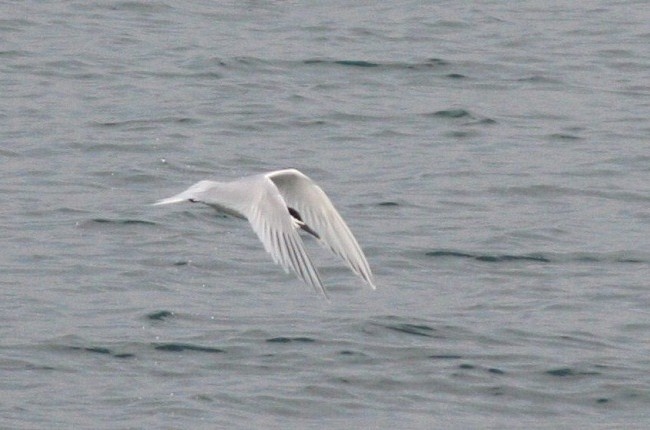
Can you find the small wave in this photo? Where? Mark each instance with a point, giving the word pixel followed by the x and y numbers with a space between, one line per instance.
pixel 144 122
pixel 95 349
pixel 414 329
pixel 408 326
pixel 117 221
pixel 492 370
pixel 101 350
pixel 167 347
pixel 459 114
pixel 564 136
pixel 352 353
pixel 160 315
pixel 181 347
pixel 451 113
pixel 351 63
pixel 354 63
pixel 564 372
pixel 494 258
pixel 426 64
pixel 283 339
pixel 446 357
pixel 542 257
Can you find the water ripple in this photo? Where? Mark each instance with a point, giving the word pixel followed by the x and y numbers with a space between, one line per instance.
pixel 283 339
pixel 160 315
pixel 181 347
pixel 545 257
pixel 117 222
pixel 430 63
pixel 101 351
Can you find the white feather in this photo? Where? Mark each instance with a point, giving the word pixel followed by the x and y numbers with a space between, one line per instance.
pixel 318 212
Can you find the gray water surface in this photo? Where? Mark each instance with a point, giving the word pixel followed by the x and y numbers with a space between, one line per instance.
pixel 491 159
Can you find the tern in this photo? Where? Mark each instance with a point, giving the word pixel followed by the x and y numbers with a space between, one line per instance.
pixel 278 204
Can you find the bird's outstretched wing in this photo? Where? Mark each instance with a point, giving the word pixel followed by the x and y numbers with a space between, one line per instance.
pixel 275 227
pixel 317 211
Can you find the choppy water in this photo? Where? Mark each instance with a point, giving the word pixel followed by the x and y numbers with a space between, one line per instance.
pixel 492 160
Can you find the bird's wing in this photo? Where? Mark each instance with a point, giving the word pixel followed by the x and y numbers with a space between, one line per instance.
pixel 228 198
pixel 318 212
pixel 192 192
pixel 275 227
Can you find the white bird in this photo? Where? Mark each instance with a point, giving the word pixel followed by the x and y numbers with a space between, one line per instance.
pixel 277 204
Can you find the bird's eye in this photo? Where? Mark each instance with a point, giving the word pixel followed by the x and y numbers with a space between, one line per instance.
pixel 193 200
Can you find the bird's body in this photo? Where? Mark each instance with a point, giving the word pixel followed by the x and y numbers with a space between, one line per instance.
pixel 277 204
